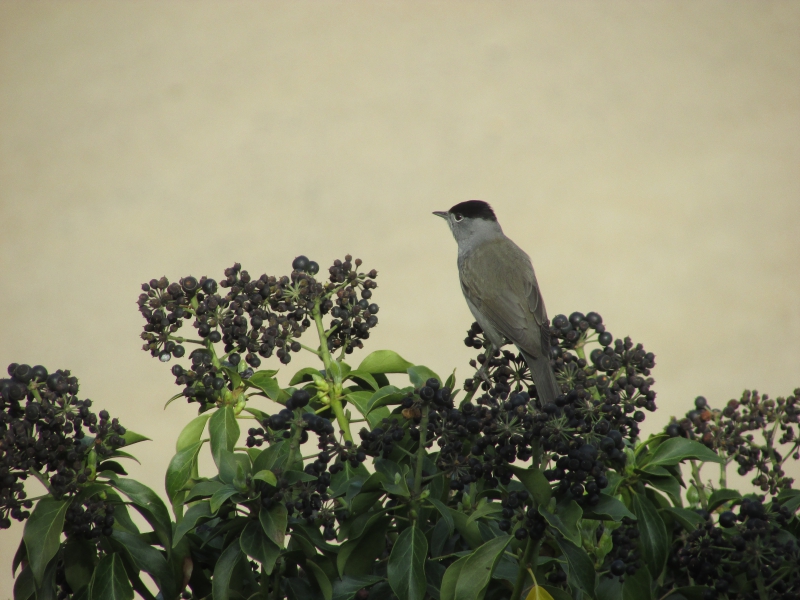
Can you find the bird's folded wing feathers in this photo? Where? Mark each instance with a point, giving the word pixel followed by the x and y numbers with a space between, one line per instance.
pixel 509 298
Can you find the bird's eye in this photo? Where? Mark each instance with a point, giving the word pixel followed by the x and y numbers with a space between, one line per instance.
pixel 458 217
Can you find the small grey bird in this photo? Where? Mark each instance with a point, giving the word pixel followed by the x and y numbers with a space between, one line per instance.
pixel 501 291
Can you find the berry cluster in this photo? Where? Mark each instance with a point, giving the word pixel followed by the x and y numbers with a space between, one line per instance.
pixel 518 506
pixel 624 557
pixel 752 542
pixel 728 432
pixel 89 519
pixel 256 318
pixel 42 429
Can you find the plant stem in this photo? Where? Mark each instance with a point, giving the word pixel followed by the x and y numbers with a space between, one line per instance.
pixel 701 492
pixel 531 548
pixel 332 375
pixel 304 347
pixel 294 445
pixel 423 435
pixel 762 590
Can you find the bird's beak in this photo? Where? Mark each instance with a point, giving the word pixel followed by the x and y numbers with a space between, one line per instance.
pixel 440 213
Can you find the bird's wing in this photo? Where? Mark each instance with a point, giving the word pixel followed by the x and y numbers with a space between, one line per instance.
pixel 513 303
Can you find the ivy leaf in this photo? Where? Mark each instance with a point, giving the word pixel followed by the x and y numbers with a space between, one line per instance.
pixel 180 468
pixel 538 593
pixel 581 569
pixel 483 509
pixel 361 400
pixel 258 546
pixel 638 586
pixel 110 581
pixel 384 361
pixel 220 496
pixel 131 437
pixel 653 539
pixel 419 374
pixel 608 508
pixel 196 512
pixel 469 576
pixel 321 578
pixel 273 522
pixel 565 520
pixel 266 384
pixel 149 505
pixel 364 376
pixel 386 396
pixel 678 449
pixel 42 534
pixel 720 497
pixel 224 431
pixel 535 482
pixel 406 568
pixel 267 477
pixel 79 558
pixel 223 571
pixel 350 585
pixel 689 519
pixel 192 432
pixel 145 557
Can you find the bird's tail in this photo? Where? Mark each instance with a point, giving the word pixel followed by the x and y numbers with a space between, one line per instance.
pixel 543 377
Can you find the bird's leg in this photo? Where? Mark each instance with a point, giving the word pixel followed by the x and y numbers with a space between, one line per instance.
pixel 481 372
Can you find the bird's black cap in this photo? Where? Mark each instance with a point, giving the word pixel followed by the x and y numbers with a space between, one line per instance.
pixel 474 209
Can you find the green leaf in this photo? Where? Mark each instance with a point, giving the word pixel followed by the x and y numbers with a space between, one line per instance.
pixel 223 571
pixel 131 437
pixel 273 523
pixel 689 519
pixel 653 538
pixel 669 485
pixel 538 593
pixel 691 592
pixel 678 449
pixel 364 376
pixel 350 585
pixel 175 397
pixel 608 508
pixel 110 581
pixel 386 396
pixel 149 505
pixel 419 374
pixel 203 489
pixel 230 464
pixel 361 401
pixel 439 537
pixel 406 568
pixel 557 593
pixel 445 512
pixel 357 557
pixel 476 573
pixel 145 558
pixel 638 586
pixel 259 547
pixel 269 456
pixel 224 431
pixel 267 477
pixel 220 496
pixel 266 384
pixel 581 569
pixel 471 533
pixel 192 433
pixel 384 361
pixel 450 579
pixel 483 509
pixel 196 512
pixel 42 534
pixel 565 520
pixel 305 375
pixel 720 497
pixel 535 482
pixel 321 578
pixel 79 558
pixel 233 373
pixel 24 586
pixel 179 471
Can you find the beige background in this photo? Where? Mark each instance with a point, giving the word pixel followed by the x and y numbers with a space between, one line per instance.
pixel 645 155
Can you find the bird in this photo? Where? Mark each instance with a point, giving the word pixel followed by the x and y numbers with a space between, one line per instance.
pixel 501 290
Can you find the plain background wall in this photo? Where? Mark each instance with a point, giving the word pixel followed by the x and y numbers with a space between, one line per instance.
pixel 644 154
